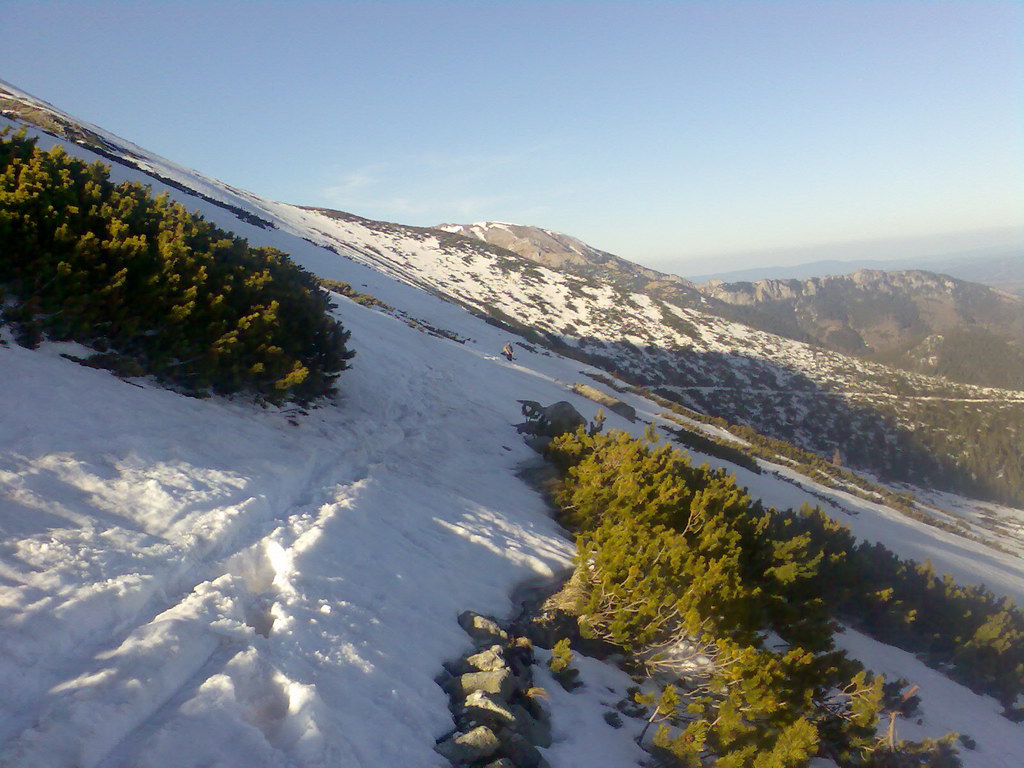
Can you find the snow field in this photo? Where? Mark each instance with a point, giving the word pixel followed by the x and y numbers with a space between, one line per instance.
pixel 197 582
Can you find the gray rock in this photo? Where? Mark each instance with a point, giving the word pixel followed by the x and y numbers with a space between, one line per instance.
pixel 488 661
pixel 499 682
pixel 538 442
pixel 454 668
pixel 521 752
pixel 537 732
pixel 625 410
pixel 550 421
pixel 469 747
pixel 481 628
pixel 489 709
pixel 562 417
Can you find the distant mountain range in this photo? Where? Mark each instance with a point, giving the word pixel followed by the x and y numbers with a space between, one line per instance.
pixel 1000 267
pixel 914 319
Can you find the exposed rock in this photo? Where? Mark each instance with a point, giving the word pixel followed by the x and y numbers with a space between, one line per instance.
pixel 469 747
pixel 539 443
pixel 489 709
pixel 562 417
pixel 488 661
pixel 536 731
pixel 521 751
pixel 482 628
pixel 481 701
pixel 499 682
pixel 552 420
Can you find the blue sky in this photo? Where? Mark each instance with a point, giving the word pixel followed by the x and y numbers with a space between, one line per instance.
pixel 689 136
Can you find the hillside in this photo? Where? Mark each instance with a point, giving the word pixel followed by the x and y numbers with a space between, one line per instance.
pixel 568 254
pixel 895 423
pixel 916 320
pixel 202 582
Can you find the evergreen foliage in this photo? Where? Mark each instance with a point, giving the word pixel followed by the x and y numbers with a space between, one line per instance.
pixel 139 278
pixel 561 657
pixel 671 556
pixel 829 474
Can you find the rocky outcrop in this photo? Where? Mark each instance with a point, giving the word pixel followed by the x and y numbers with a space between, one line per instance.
pixel 550 421
pixel 481 628
pixel 470 747
pixel 499 721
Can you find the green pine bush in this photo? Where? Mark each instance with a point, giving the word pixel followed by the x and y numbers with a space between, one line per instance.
pixel 138 277
pixel 672 556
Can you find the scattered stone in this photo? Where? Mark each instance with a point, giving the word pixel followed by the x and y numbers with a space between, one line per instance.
pixel 613 718
pixel 488 661
pixel 500 716
pixel 499 682
pixel 521 657
pixel 453 668
pixel 482 628
pixel 477 744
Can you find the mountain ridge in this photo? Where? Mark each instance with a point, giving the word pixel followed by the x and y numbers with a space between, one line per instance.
pixel 914 319
pixel 997 267
pixel 819 399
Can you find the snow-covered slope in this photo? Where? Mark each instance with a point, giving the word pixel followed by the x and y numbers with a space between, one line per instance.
pixel 206 583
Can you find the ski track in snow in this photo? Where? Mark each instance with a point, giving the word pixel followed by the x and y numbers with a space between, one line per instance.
pixel 201 583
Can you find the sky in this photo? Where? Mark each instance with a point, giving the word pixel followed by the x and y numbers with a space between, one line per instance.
pixel 687 136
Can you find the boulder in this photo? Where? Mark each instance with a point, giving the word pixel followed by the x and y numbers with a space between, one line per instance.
pixel 489 660
pixel 488 709
pixel 562 417
pixel 469 747
pixel 499 682
pixel 625 410
pixel 520 751
pixel 481 628
pixel 550 421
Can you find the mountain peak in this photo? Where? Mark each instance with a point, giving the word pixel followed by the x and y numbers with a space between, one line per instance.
pixel 570 254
